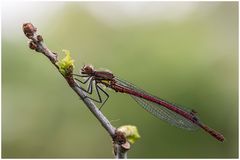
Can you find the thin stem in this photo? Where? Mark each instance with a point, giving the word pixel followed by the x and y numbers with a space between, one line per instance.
pixel 38 45
pixel 120 153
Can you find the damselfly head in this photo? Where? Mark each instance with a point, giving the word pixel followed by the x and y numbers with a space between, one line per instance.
pixel 87 69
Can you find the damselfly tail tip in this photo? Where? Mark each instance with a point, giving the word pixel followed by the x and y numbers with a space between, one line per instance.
pixel 217 135
pixel 212 132
pixel 220 137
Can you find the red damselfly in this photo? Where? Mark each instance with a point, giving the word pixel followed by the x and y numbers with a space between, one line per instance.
pixel 171 113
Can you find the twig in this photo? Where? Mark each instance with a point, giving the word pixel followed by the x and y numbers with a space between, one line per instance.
pixel 121 146
pixel 120 151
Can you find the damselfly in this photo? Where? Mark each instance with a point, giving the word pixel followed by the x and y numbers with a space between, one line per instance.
pixel 171 113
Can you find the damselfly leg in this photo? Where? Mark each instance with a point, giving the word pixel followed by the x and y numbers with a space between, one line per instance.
pixel 83 76
pixel 97 86
pixel 89 90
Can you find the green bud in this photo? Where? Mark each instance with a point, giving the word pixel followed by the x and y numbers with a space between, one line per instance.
pixel 66 65
pixel 130 132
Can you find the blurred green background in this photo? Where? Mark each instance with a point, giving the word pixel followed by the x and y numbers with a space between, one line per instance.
pixel 184 52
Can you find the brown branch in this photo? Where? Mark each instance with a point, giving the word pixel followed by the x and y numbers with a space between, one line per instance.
pixel 120 144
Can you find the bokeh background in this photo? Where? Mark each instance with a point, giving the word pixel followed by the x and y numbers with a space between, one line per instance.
pixel 184 52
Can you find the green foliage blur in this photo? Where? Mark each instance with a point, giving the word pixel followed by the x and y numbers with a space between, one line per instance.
pixel 191 61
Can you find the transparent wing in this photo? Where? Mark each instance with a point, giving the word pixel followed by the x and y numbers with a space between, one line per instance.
pixel 159 111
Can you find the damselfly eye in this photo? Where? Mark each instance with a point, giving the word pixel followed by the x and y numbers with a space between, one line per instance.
pixel 87 69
